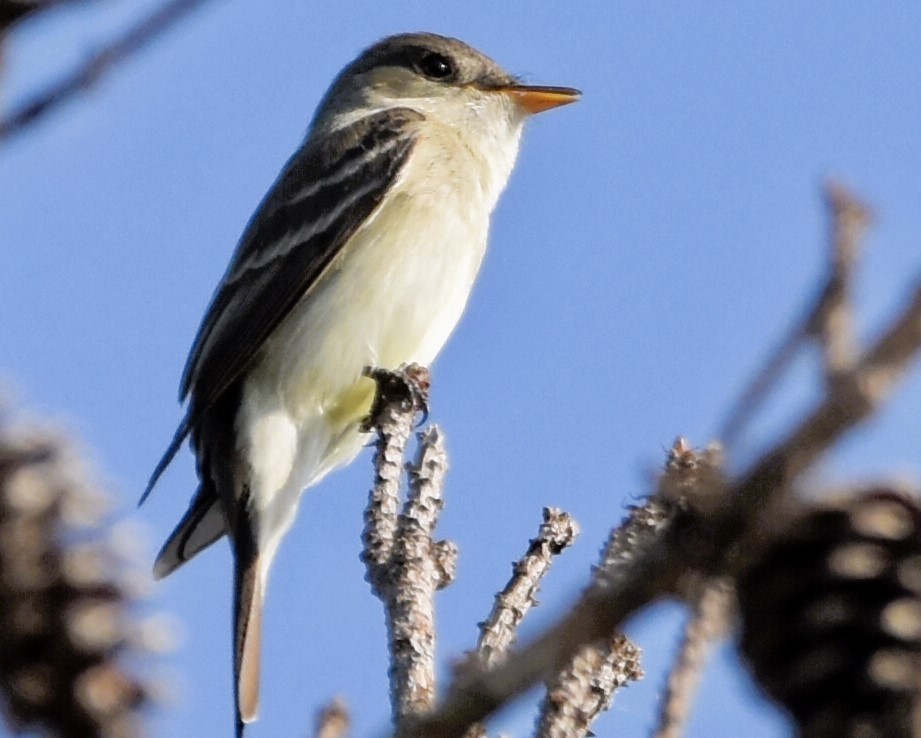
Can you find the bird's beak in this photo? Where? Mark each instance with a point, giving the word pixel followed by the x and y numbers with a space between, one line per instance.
pixel 538 99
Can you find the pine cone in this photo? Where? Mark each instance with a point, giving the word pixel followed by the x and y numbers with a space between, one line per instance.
pixel 832 618
pixel 64 604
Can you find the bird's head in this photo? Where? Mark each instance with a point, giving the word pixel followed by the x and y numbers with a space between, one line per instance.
pixel 441 77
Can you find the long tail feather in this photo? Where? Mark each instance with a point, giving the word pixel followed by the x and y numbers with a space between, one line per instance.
pixel 248 600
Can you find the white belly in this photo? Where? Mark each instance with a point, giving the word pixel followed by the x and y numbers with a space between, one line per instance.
pixel 395 296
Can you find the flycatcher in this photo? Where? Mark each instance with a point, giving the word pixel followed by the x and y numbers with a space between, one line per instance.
pixel 362 254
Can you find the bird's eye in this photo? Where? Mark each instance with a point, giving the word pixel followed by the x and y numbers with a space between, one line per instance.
pixel 435 66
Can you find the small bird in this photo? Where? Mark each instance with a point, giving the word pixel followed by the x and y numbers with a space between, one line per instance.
pixel 362 254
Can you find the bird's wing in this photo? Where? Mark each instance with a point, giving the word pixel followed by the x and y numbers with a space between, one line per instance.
pixel 327 190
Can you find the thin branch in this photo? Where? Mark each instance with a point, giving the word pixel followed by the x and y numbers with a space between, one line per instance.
pixel 753 395
pixel 15 11
pixel 333 720
pixel 833 320
pixel 829 318
pixel 557 532
pixel 708 621
pixel 586 688
pixel 93 69
pixel 498 632
pixel 848 403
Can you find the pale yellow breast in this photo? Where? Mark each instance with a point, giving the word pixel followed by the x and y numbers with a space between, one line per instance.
pixel 393 296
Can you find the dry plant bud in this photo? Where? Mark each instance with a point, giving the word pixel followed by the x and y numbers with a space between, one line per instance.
pixel 831 615
pixel 693 476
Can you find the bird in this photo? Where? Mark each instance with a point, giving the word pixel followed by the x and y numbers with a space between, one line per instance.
pixel 362 254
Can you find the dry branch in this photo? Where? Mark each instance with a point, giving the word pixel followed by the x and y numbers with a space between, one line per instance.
pixel 393 416
pixel 96 66
pixel 499 630
pixel 418 572
pixel 586 688
pixel 333 721
pixel 833 320
pixel 405 565
pixel 16 11
pixel 708 620
pixel 829 318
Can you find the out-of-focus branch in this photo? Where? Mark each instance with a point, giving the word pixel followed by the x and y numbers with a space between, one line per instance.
pixel 708 621
pixel 711 544
pixel 333 721
pixel 586 686
pixel 405 565
pixel 96 66
pixel 829 318
pixel 833 320
pixel 851 400
pixel 14 11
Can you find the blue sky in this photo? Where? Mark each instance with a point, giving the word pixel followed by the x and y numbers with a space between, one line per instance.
pixel 654 240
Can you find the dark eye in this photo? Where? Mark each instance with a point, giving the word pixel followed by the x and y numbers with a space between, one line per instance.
pixel 435 66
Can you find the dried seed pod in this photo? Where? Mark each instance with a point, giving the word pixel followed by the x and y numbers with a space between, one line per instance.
pixel 831 616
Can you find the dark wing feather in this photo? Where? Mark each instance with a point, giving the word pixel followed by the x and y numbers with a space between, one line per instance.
pixel 323 195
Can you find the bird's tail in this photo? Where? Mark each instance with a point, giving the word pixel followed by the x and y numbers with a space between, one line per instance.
pixel 201 526
pixel 249 594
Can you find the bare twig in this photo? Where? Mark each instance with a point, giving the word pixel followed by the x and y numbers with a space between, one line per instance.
pixel 98 64
pixel 833 320
pixel 14 11
pixel 848 402
pixel 829 318
pixel 708 620
pixel 578 695
pixel 753 395
pixel 586 688
pixel 333 720
pixel 499 630
pixel 688 472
